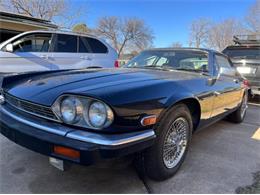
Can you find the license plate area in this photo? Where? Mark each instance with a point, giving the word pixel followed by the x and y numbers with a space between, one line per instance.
pixel 57 163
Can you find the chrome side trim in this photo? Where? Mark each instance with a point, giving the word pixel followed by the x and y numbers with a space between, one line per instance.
pixel 111 140
pixel 46 127
pixel 84 136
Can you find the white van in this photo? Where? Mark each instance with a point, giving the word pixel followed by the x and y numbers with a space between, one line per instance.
pixel 52 50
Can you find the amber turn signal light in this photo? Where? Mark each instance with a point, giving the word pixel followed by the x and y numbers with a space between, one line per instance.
pixel 149 120
pixel 67 152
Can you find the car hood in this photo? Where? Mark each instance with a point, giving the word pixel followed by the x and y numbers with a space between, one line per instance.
pixel 44 88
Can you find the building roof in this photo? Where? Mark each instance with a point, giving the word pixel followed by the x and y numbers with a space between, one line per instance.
pixel 19 18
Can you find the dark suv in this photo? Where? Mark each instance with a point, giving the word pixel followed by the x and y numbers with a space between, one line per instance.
pixel 245 55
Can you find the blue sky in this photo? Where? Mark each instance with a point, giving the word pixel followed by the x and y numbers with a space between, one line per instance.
pixel 169 19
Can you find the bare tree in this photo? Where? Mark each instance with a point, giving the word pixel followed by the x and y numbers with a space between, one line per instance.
pixel 109 27
pixel 36 8
pixel 199 32
pixel 221 34
pixel 57 11
pixel 252 18
pixel 176 44
pixel 125 33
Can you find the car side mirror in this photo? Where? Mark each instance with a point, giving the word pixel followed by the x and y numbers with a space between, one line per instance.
pixel 9 47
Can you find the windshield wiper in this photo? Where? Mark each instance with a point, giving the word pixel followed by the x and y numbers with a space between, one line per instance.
pixel 146 67
pixel 188 70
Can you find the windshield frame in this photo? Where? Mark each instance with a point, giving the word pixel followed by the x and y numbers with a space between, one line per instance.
pixel 205 52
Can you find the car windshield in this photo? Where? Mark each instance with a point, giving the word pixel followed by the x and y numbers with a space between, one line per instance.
pixel 186 60
pixel 243 53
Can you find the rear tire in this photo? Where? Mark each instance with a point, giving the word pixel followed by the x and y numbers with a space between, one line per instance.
pixel 239 115
pixel 165 157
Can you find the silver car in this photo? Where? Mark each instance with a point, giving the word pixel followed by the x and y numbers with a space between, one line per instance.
pixel 53 50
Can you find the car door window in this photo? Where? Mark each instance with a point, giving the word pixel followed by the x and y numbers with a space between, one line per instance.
pixel 95 45
pixel 162 61
pixel 66 43
pixel 224 66
pixel 33 43
pixel 199 63
pixel 84 46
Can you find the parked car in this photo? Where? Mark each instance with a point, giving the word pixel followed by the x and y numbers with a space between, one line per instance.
pixel 54 50
pixel 150 108
pixel 245 55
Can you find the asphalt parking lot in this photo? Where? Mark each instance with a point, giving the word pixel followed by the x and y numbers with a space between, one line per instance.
pixel 222 158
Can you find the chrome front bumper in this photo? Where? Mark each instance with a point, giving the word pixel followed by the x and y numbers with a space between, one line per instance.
pixel 41 135
pixel 81 135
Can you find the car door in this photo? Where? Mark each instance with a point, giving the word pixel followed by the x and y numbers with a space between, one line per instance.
pixel 228 90
pixel 30 53
pixel 65 55
pixel 85 51
pixel 100 55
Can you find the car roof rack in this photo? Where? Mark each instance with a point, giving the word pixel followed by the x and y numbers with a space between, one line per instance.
pixel 253 39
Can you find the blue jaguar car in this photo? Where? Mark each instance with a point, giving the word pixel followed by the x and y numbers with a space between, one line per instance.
pixel 148 109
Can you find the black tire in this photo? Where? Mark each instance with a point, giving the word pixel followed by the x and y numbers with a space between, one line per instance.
pixel 239 115
pixel 151 162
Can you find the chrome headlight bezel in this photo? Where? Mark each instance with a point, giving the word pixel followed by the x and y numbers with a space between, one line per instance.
pixel 74 110
pixel 107 112
pixel 82 118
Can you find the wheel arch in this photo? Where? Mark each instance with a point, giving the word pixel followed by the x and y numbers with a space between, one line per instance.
pixel 192 104
pixel 195 110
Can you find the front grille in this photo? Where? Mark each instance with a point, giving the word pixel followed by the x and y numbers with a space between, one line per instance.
pixel 34 109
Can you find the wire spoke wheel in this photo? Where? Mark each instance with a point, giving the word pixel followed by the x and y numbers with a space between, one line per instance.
pixel 175 142
pixel 244 106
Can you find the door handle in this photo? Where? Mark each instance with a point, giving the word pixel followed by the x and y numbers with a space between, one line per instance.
pixel 44 56
pixel 85 58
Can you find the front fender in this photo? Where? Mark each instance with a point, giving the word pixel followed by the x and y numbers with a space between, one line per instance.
pixel 175 98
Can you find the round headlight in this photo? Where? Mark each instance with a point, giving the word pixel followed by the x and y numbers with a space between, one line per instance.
pixel 70 108
pixel 100 115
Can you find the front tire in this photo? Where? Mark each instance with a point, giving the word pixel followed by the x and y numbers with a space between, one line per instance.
pixel 239 115
pixel 165 157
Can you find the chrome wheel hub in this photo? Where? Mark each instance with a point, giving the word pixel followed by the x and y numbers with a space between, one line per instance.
pixel 244 106
pixel 175 142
